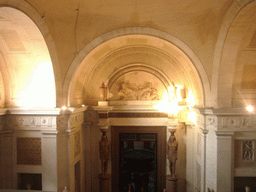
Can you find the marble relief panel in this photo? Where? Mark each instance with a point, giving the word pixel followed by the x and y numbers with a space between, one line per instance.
pixel 245 153
pixel 248 150
pixel 76 120
pixel 137 85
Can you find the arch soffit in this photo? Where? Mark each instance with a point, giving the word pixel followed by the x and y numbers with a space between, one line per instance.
pixel 126 51
pixel 27 9
pixel 233 11
pixel 198 67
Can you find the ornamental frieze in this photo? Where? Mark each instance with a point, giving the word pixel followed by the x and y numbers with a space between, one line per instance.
pixel 76 120
pixel 29 121
pixel 242 122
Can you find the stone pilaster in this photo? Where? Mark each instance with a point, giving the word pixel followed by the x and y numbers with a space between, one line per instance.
pixel 201 146
pixel 90 130
pixel 6 162
pixel 225 156
pixel 87 126
pixel 49 160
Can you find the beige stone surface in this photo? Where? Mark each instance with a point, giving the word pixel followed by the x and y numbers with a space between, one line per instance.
pixel 58 53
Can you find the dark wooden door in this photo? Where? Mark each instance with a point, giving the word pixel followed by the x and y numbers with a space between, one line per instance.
pixel 138 138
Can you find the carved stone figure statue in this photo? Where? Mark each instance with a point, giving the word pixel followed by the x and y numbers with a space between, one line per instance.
pixel 104 148
pixel 172 153
pixel 247 150
pixel 103 92
pixel 149 94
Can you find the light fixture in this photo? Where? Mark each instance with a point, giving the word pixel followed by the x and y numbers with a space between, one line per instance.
pixel 64 108
pixel 250 108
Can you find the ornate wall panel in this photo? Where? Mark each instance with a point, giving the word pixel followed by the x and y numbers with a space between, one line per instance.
pixel 29 151
pixel 77 143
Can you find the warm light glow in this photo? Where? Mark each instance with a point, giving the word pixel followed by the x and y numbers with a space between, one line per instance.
pixel 178 89
pixel 250 108
pixel 171 99
pixel 170 107
pixel 39 90
pixel 190 99
pixel 63 108
pixel 192 117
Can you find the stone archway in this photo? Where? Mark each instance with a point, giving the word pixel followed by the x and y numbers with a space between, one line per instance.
pixel 22 13
pixel 238 12
pixel 97 62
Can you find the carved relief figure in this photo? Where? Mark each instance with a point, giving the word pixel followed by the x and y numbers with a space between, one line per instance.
pixel 149 94
pixel 104 148
pixel 126 92
pixel 137 92
pixel 247 150
pixel 172 154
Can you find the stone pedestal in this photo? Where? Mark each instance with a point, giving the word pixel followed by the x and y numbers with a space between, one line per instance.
pixel 104 182
pixel 171 184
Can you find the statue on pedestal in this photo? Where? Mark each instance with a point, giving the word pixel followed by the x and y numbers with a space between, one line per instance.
pixel 103 92
pixel 104 148
pixel 172 153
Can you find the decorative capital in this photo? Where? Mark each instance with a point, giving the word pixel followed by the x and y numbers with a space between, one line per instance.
pixel 104 127
pixel 204 131
pixel 224 133
pixel 90 116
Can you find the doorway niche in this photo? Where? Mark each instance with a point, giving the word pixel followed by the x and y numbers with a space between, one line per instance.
pixel 138 157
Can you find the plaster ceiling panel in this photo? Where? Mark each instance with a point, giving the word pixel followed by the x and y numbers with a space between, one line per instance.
pixel 13 40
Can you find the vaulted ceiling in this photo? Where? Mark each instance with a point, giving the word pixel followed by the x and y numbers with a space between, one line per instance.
pixel 208 46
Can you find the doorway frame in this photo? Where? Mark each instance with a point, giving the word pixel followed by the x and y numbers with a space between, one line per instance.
pixel 161 152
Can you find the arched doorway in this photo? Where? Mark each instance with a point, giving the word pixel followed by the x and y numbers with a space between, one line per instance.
pixel 143 60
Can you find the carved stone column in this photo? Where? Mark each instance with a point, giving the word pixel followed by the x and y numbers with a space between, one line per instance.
pixel 172 155
pixel 105 153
